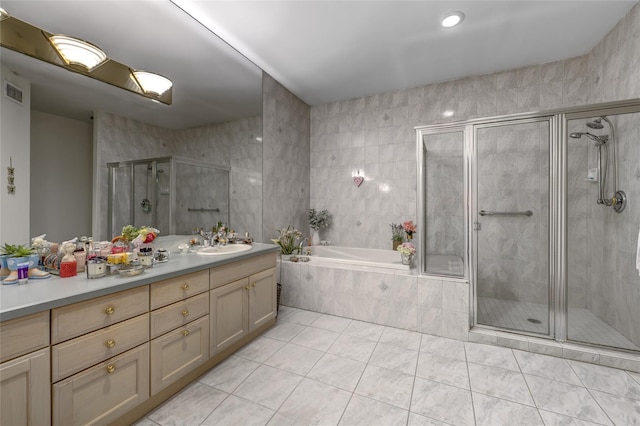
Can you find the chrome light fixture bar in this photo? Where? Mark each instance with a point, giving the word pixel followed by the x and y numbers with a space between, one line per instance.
pixel 32 41
pixel 78 52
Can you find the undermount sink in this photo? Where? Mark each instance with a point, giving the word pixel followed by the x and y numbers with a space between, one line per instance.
pixel 230 249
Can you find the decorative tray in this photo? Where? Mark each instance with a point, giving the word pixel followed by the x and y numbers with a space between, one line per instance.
pixel 131 271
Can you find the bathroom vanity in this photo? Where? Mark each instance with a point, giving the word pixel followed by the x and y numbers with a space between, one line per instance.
pixel 76 351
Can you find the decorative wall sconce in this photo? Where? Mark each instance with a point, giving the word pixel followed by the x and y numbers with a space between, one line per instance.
pixel 11 171
pixel 80 57
pixel 358 179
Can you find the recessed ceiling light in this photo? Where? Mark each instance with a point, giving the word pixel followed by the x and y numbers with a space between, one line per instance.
pixel 453 19
pixel 448 113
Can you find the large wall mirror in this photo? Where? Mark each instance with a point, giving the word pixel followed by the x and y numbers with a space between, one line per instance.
pixel 79 124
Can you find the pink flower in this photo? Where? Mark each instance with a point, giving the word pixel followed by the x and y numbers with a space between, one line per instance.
pixel 409 226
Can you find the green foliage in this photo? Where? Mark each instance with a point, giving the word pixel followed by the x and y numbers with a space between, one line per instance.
pixel 319 219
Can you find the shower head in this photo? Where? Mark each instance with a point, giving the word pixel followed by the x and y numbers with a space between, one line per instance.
pixel 595 124
pixel 599 140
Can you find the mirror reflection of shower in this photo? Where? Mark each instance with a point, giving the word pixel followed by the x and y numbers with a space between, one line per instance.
pixel 606 150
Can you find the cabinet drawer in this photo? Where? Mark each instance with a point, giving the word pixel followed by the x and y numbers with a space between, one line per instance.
pixel 241 269
pixel 175 289
pixel 74 355
pixel 176 353
pixel 24 335
pixel 105 392
pixel 178 314
pixel 80 318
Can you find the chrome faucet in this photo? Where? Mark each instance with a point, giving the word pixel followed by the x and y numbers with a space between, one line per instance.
pixel 302 245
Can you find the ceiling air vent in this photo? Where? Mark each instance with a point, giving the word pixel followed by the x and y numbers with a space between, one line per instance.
pixel 12 92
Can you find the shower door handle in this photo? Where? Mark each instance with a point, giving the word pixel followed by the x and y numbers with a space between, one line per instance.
pixel 486 213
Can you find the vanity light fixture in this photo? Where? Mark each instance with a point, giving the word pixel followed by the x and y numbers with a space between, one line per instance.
pixel 3 14
pixel 452 19
pixel 151 83
pixel 78 52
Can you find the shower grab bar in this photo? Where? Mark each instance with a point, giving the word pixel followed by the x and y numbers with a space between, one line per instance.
pixel 201 209
pixel 486 213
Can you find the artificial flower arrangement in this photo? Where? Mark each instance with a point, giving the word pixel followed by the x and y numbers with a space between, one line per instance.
pixel 409 228
pixel 136 236
pixel 319 219
pixel 397 233
pixel 408 249
pixel 288 240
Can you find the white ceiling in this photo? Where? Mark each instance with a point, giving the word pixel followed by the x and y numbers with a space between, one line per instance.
pixel 323 51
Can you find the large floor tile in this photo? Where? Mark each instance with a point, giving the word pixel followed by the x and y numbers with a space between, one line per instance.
pixel 332 323
pixel 227 375
pixel 547 366
pixel 442 402
pixel 268 386
pixel 284 331
pixel 189 407
pixel 315 338
pixel 566 399
pixel 315 403
pixel 418 420
pixel 260 349
pixel 441 369
pixel 294 358
pixel 492 356
pixel 401 338
pixel 394 358
pixel 299 316
pixel 357 348
pixel 238 411
pixel 388 386
pixel 364 330
pixel 363 411
pixel 343 373
pixel 490 411
pixel 555 419
pixel 442 346
pixel 607 379
pixel 500 383
pixel 623 411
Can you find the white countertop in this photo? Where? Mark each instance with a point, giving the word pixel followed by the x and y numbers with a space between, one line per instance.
pixel 41 295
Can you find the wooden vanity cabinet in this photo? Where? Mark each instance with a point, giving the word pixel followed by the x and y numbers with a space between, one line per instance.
pixel 25 372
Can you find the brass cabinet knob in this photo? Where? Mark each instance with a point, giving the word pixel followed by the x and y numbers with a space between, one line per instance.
pixel 110 343
pixel 109 310
pixel 111 368
pixel 246 288
pixel 253 284
pixel 185 286
pixel 185 333
pixel 185 313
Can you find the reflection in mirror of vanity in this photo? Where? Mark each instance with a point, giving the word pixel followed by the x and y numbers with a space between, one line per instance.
pixel 75 125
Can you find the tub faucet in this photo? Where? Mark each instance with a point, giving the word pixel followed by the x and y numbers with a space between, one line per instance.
pixel 302 245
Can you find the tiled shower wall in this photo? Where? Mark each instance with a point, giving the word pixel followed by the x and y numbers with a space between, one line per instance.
pixel 233 144
pixel 286 159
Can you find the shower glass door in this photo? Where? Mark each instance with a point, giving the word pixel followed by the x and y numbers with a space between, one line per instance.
pixel 511 225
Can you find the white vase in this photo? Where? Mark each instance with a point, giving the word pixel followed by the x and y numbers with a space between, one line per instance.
pixel 406 258
pixel 315 238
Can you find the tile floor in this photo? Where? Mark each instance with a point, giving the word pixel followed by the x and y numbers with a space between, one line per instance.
pixel 584 326
pixel 325 370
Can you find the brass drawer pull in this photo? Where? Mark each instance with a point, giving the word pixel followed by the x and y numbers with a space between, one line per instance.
pixel 109 310
pixel 253 284
pixel 111 368
pixel 246 288
pixel 185 286
pixel 185 333
pixel 185 313
pixel 110 343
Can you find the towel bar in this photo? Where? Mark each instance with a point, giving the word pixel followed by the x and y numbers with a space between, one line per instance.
pixel 486 213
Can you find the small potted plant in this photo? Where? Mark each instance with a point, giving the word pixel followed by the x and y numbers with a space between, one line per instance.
pixel 409 228
pixel 288 240
pixel 397 235
pixel 407 251
pixel 318 220
pixel 19 256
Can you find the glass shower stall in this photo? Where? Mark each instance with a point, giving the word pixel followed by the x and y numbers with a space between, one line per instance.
pixel 175 195
pixel 541 214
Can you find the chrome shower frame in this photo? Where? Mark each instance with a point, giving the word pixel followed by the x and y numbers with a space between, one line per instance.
pixel 558 205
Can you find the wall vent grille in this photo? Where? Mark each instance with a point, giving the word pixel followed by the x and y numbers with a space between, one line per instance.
pixel 12 92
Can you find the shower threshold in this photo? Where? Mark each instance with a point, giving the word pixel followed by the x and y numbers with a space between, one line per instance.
pixel 584 326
